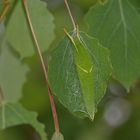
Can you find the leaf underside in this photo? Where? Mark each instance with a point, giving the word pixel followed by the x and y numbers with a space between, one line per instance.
pixel 66 82
pixel 116 25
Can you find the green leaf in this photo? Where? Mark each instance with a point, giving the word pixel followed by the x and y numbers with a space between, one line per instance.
pixel 102 2
pixel 78 73
pixel 136 4
pixel 5 6
pixel 1 6
pixel 12 74
pixel 116 25
pixel 2 29
pixel 18 32
pixel 57 136
pixel 12 114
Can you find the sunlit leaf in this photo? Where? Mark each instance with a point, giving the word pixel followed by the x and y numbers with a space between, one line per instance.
pixel 117 26
pixel 78 73
pixel 18 32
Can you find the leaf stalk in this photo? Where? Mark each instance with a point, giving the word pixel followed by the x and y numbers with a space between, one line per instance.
pixel 70 14
pixel 51 98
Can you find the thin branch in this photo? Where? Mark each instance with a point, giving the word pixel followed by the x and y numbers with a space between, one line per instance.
pixel 56 123
pixel 53 108
pixel 70 14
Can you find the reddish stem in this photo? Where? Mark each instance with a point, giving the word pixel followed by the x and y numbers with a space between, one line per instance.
pixel 53 108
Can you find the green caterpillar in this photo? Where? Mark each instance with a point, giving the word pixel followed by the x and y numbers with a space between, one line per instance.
pixel 85 68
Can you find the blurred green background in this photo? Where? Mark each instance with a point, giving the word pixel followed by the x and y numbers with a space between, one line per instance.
pixel 118 116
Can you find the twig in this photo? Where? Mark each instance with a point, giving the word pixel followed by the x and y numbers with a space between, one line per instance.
pixel 53 108
pixel 70 14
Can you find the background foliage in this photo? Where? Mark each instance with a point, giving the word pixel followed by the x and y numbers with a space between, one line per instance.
pixel 118 113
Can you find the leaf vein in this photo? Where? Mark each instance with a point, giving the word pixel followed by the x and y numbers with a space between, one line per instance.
pixel 125 32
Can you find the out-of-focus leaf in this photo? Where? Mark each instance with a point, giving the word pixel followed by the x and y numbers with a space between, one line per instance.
pixel 78 73
pixel 5 6
pixel 2 29
pixel 116 25
pixel 102 1
pixel 12 114
pixel 12 74
pixel 57 136
pixel 136 4
pixel 18 32
pixel 1 5
pixel 85 4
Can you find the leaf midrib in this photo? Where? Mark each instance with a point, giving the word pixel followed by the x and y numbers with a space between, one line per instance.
pixel 125 30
